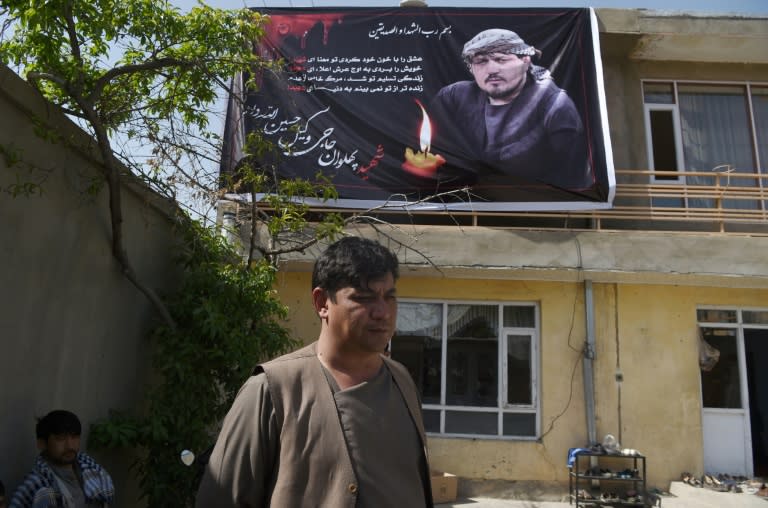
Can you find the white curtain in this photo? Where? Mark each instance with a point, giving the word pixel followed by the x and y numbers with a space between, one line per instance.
pixel 419 319
pixel 716 135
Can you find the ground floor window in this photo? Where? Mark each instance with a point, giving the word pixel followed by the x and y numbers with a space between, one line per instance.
pixel 475 365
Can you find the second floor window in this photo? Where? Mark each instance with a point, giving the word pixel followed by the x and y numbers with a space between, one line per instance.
pixel 702 127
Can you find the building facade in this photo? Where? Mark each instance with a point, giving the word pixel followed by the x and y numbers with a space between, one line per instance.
pixel 532 333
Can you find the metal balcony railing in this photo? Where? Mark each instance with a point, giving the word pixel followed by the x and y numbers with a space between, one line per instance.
pixel 720 201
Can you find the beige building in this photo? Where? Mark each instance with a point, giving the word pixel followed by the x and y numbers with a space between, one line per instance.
pixel 533 333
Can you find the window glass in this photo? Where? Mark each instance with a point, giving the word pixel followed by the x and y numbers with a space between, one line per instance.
pixel 461 355
pixel 755 317
pixel 658 93
pixel 720 387
pixel 431 420
pixel 418 345
pixel 519 316
pixel 716 316
pixel 472 365
pixel 719 137
pixel 519 379
pixel 520 424
pixel 464 422
pixel 716 134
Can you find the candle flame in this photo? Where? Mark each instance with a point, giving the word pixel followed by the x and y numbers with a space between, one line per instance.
pixel 425 135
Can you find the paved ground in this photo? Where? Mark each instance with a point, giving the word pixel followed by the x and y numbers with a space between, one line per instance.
pixel 682 496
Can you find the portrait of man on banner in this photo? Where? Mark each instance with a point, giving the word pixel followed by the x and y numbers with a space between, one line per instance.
pixel 512 117
pixel 504 107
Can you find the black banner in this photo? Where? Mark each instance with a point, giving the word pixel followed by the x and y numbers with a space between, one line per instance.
pixel 405 104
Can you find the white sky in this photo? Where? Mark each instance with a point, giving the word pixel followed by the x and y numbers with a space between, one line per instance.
pixel 742 7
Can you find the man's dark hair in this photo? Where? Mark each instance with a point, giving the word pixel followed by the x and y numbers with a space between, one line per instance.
pixel 58 421
pixel 352 262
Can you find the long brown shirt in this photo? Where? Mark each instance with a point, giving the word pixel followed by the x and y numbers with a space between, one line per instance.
pixel 282 443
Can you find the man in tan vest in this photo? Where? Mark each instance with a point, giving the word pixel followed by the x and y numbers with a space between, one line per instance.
pixel 335 424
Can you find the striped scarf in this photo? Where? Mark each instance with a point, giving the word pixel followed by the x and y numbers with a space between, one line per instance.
pixel 41 490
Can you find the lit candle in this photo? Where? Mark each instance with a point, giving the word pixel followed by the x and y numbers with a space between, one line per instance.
pixel 423 162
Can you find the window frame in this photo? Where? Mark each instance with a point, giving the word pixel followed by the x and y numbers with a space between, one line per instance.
pixel 675 83
pixel 648 108
pixel 502 407
pixel 739 325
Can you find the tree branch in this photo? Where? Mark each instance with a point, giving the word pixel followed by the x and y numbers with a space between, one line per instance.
pixel 112 175
pixel 72 34
pixel 35 76
pixel 122 70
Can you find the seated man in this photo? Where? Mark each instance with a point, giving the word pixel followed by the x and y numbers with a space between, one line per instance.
pixel 63 476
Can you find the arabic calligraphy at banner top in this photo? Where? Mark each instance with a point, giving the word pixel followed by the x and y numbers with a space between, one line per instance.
pixel 384 103
pixel 360 75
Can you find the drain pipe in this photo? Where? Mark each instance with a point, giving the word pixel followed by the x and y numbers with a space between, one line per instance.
pixel 589 356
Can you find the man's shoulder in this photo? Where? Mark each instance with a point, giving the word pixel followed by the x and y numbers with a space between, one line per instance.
pixel 459 85
pixel 548 83
pixel 40 471
pixel 85 461
pixel 32 483
pixel 288 364
pixel 546 87
pixel 300 354
pixel 33 477
pixel 458 89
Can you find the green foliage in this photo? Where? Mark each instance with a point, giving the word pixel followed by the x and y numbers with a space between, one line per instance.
pixel 130 55
pixel 283 209
pixel 27 179
pixel 228 320
pixel 139 74
pixel 142 77
pixel 290 211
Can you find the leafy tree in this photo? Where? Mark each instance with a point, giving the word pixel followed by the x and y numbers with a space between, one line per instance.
pixel 135 74
pixel 143 78
pixel 227 318
pixel 138 75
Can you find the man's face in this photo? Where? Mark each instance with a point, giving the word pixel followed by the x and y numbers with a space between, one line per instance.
pixel 500 75
pixel 60 449
pixel 360 319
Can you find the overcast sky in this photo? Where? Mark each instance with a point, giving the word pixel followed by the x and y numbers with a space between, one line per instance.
pixel 743 7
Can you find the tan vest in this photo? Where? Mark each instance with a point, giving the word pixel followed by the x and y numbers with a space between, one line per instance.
pixel 314 468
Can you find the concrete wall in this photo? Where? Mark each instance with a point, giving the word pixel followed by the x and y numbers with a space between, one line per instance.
pixel 74 330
